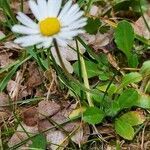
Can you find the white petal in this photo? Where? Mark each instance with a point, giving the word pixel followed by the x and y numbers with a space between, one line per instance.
pixel 29 40
pixel 69 35
pixel 42 7
pixel 47 43
pixel 66 63
pixel 65 9
pixel 61 42
pixel 73 26
pixel 72 19
pixel 25 20
pixel 71 12
pixel 78 24
pixel 54 7
pixel 34 8
pixel 24 30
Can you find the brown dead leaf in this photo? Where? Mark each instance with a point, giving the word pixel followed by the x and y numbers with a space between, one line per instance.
pixel 16 90
pixel 94 11
pixel 58 140
pixel 59 118
pixel 82 134
pixel 97 41
pixel 47 109
pixel 30 117
pixel 5 59
pixel 11 45
pixel 63 115
pixel 140 27
pixel 15 5
pixel 113 61
pixel 45 125
pixel 4 112
pixel 4 115
pixel 35 77
pixel 4 99
pixel 20 135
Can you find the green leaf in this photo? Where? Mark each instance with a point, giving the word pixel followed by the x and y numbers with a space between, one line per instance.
pixel 124 129
pixel 133 60
pixel 128 98
pixel 93 115
pixel 124 38
pixel 103 87
pixel 113 109
pixel 124 124
pixel 145 69
pixel 133 118
pixel 92 68
pixel 144 101
pixel 92 25
pixel 133 77
pixel 39 142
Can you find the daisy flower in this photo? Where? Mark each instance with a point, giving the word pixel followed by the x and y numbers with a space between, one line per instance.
pixel 52 22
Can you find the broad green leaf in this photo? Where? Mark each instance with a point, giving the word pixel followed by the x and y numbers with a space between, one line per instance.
pixel 93 115
pixel 92 25
pixel 39 142
pixel 133 77
pixel 98 97
pixel 133 60
pixel 133 118
pixel 124 37
pixel 143 101
pixel 92 68
pixel 113 109
pixel 112 88
pixel 124 129
pixel 128 98
pixel 145 69
pixel 124 124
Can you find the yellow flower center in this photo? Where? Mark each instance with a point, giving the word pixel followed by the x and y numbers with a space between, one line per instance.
pixel 49 26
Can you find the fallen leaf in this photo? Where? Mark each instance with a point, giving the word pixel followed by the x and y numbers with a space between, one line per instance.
pixel 4 99
pixel 94 11
pixel 82 134
pixel 20 135
pixel 140 27
pixel 12 45
pixel 5 59
pixel 47 109
pixel 58 140
pixel 15 6
pixel 16 90
pixel 97 41
pixel 4 115
pixel 35 77
pixel 30 117
pixel 44 125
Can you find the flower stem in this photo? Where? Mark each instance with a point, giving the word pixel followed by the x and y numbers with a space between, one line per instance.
pixel 85 78
pixel 84 73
